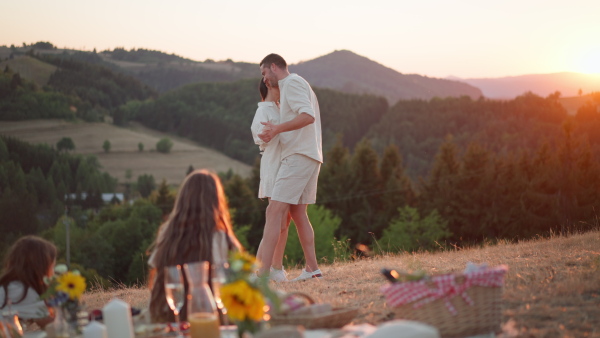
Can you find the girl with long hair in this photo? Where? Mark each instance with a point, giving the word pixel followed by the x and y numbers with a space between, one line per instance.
pixel 199 220
pixel 27 263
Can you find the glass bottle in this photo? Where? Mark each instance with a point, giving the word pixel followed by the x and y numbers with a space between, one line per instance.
pixel 201 307
pixel 60 325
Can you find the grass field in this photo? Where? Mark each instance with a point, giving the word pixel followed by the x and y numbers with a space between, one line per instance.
pixel 552 287
pixel 572 104
pixel 30 69
pixel 124 154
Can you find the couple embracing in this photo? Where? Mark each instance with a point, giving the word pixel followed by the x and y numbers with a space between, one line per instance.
pixel 287 127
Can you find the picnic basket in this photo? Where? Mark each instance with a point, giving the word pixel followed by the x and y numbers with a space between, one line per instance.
pixel 458 305
pixel 337 318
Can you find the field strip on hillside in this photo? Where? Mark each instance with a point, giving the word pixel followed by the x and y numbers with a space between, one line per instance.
pixel 124 153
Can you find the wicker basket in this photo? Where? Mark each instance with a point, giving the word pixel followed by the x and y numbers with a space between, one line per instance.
pixel 482 316
pixel 337 318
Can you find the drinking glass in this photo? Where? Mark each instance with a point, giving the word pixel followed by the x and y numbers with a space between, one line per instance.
pixel 175 292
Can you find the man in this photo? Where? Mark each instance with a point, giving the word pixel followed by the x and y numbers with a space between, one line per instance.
pixel 301 157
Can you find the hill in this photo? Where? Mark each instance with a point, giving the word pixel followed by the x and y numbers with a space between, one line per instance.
pixel 419 127
pixel 124 154
pixel 550 290
pixel 340 70
pixel 31 69
pixel 168 71
pixel 568 84
pixel 573 103
pixel 219 115
pixel 348 72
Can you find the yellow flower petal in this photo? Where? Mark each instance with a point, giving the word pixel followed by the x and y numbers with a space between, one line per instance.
pixel 242 301
pixel 71 284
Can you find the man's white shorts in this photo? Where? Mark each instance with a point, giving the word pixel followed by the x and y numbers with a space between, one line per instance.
pixel 296 181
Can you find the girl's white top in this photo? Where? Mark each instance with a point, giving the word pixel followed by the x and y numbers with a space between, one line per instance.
pixel 271 151
pixel 30 307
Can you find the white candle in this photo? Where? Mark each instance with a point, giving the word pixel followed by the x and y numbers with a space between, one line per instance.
pixel 95 330
pixel 117 318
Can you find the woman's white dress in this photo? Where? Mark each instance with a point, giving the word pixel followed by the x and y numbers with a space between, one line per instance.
pixel 271 151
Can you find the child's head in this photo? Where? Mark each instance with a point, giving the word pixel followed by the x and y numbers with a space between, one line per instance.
pixel 28 261
pixel 201 202
pixel 200 210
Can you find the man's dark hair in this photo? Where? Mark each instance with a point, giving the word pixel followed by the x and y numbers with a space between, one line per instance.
pixel 274 59
pixel 262 88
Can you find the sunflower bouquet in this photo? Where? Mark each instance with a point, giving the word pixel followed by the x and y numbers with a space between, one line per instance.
pixel 246 297
pixel 64 291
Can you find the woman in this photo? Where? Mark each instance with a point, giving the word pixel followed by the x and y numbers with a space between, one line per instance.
pixel 199 221
pixel 28 262
pixel 268 111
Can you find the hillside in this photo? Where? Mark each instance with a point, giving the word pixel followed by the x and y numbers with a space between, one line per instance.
pixel 573 103
pixel 219 115
pixel 340 70
pixel 124 154
pixel 568 84
pixel 31 69
pixel 168 71
pixel 348 72
pixel 551 288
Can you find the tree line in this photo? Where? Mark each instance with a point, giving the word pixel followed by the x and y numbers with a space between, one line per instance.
pixel 23 100
pixel 218 115
pixel 469 196
pixel 34 184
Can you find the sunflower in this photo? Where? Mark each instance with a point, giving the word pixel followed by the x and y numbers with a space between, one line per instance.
pixel 242 301
pixel 72 284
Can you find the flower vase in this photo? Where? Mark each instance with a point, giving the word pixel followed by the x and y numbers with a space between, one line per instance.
pixel 65 322
pixel 248 328
pixel 60 325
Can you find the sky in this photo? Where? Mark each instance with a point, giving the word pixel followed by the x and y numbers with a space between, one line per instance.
pixel 436 38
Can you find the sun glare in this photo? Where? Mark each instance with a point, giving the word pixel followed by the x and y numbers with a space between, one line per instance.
pixel 589 61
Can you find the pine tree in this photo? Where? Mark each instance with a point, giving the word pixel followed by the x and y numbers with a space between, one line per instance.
pixel 189 170
pixel 245 204
pixel 165 199
pixel 504 214
pixel 366 193
pixel 398 191
pixel 474 195
pixel 3 151
pixel 439 191
pixel 334 180
pixel 586 186
pixel 539 200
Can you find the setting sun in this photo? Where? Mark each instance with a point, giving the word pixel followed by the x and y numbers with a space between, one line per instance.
pixel 589 61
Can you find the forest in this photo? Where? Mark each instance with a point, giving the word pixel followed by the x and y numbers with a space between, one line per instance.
pixel 419 175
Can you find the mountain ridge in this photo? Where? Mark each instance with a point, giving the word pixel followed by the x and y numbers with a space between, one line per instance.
pixel 508 87
pixel 349 72
pixel 341 70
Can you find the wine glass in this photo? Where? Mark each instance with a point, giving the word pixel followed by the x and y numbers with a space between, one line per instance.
pixel 175 292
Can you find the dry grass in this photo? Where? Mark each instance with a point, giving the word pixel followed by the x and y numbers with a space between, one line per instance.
pixel 30 68
pixel 124 154
pixel 552 287
pixel 572 104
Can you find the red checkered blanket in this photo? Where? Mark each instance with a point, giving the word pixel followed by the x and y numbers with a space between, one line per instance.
pixel 444 287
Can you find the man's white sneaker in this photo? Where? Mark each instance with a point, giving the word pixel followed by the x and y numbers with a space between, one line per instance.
pixel 308 275
pixel 278 275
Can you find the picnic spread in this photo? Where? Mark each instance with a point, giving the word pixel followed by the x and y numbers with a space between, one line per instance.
pixel 446 305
